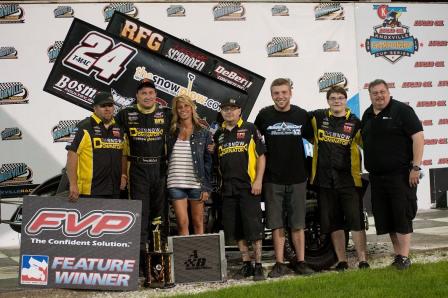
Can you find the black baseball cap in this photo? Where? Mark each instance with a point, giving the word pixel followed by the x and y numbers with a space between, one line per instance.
pixel 231 102
pixel 102 98
pixel 145 83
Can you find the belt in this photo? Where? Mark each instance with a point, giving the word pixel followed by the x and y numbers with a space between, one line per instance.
pixel 146 159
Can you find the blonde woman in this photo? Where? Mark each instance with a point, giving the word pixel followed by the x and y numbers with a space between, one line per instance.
pixel 189 165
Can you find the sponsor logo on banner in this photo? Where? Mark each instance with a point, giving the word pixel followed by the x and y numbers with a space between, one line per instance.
pixel 391 40
pixel 280 11
pixel 231 48
pixel 120 101
pixel 110 60
pixel 62 131
pixel 443 121
pixel 186 56
pixel 426 122
pixel 174 89
pixel 427 84
pixel 15 173
pixel 429 64
pixel 175 11
pixel 63 12
pixel 79 90
pixel 127 8
pixel 232 77
pixel 142 36
pixel 72 223
pixel 441 141
pixel 13 93
pixel 442 84
pixel 8 53
pixel 430 103
pixel 282 47
pixel 429 23
pixel 331 46
pixel 329 11
pixel 11 13
pixel 443 161
pixel 331 79
pixel 11 133
pixel 427 162
pixel 34 270
pixel 194 262
pixel 53 51
pixel 229 11
pixel 438 43
pixel 390 85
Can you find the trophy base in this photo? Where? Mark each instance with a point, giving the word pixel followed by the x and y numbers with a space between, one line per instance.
pixel 160 274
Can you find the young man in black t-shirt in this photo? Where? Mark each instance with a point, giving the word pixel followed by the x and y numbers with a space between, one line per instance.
pixel 282 126
pixel 393 142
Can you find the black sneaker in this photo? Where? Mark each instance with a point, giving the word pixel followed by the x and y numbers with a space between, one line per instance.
pixel 258 273
pixel 363 265
pixel 397 260
pixel 403 263
pixel 278 270
pixel 245 271
pixel 341 266
pixel 302 268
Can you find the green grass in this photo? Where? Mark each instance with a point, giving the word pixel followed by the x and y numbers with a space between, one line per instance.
pixel 421 280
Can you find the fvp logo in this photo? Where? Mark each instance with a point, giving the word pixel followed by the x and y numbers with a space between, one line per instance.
pixel 34 270
pixel 391 40
pixel 70 221
pixel 194 262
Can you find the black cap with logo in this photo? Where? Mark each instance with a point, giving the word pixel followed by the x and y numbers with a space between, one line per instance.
pixel 231 102
pixel 145 83
pixel 102 98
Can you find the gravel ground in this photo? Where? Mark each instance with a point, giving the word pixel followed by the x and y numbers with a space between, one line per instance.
pixel 379 256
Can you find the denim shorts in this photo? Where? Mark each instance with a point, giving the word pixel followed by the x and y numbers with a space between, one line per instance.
pixel 184 193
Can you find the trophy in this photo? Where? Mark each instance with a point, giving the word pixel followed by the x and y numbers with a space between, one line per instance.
pixel 159 262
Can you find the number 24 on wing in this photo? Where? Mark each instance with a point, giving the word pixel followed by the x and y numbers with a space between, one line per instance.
pixel 98 53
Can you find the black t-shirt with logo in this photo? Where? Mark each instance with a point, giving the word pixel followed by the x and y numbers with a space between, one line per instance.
pixel 283 133
pixel 238 150
pixel 99 150
pixel 386 137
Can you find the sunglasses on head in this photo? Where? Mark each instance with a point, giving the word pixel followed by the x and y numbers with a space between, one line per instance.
pixel 104 105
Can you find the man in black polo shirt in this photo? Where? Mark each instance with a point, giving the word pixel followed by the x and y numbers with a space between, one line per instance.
pixel 95 155
pixel 393 148
pixel 241 163
pixel 336 170
pixel 284 188
pixel 146 125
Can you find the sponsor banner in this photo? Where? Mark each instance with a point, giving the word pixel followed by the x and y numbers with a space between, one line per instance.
pixel 63 12
pixel 62 131
pixel 11 13
pixel 282 47
pixel 229 11
pixel 78 74
pixel 127 8
pixel 11 133
pixel 15 174
pixel 13 93
pixel 329 11
pixel 93 244
pixel 8 53
pixel 16 191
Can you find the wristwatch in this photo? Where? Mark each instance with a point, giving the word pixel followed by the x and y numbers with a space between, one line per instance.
pixel 416 168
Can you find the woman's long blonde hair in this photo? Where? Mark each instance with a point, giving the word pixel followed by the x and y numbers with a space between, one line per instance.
pixel 175 120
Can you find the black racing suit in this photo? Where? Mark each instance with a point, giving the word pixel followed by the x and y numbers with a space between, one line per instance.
pixel 146 137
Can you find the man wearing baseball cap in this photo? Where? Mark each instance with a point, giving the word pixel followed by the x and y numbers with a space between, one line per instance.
pixel 146 125
pixel 95 154
pixel 241 159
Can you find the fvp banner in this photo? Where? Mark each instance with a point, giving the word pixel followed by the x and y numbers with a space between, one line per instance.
pixel 90 244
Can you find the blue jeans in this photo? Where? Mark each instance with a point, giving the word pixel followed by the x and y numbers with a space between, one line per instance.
pixel 185 193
